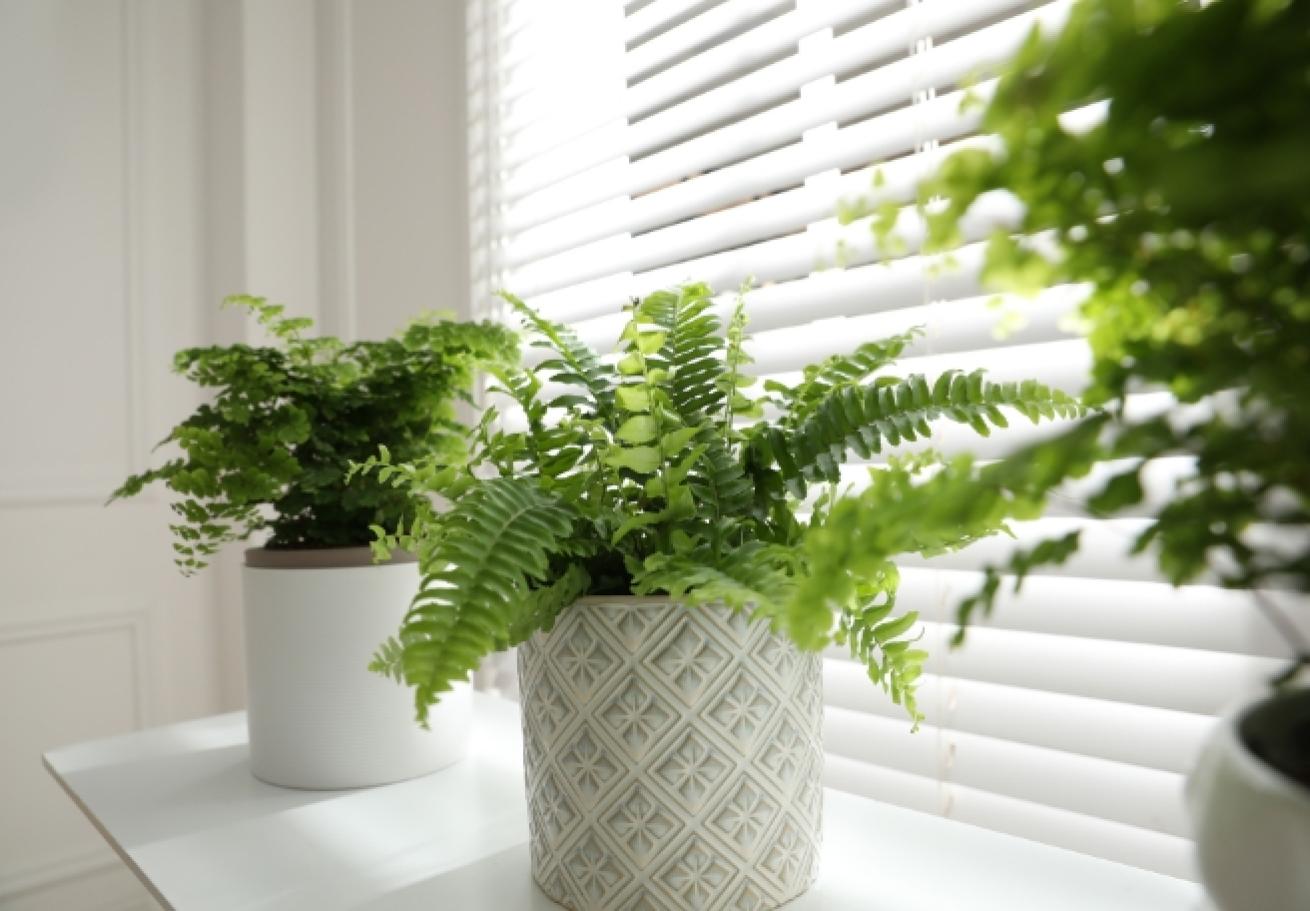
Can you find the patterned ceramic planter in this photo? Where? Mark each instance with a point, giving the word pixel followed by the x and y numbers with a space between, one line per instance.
pixel 673 759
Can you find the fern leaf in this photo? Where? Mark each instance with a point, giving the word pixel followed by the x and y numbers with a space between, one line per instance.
pixel 751 576
pixel 1049 552
pixel 735 358
pixel 388 660
pixel 495 542
pixel 690 351
pixel 847 564
pixel 838 372
pixel 718 482
pixel 866 418
pixel 539 607
pixel 575 362
pixel 877 640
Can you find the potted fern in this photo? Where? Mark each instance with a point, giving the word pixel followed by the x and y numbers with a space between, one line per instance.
pixel 1185 210
pixel 673 756
pixel 271 453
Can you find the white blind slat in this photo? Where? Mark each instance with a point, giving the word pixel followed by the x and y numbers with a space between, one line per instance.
pixel 1146 736
pixel 703 190
pixel 657 16
pixel 791 256
pixel 1120 792
pixel 881 40
pixel 747 51
pixel 1151 850
pixel 947 325
pixel 658 214
pixel 886 88
pixel 714 25
pixel 1180 679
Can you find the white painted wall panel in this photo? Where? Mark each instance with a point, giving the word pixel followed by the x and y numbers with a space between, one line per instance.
pixel 408 146
pixel 63 187
pixel 101 279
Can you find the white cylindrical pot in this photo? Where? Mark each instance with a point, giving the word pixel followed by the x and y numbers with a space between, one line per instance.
pixel 674 758
pixel 318 717
pixel 1251 822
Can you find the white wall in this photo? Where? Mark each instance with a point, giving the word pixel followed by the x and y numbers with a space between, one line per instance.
pixel 101 278
pixel 411 240
pixel 158 155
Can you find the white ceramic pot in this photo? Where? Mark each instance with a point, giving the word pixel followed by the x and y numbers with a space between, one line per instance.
pixel 1251 822
pixel 674 758
pixel 318 718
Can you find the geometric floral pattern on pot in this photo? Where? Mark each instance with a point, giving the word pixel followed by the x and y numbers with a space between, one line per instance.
pixel 673 757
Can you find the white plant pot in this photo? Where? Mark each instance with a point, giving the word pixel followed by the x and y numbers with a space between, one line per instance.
pixel 674 758
pixel 318 718
pixel 1252 825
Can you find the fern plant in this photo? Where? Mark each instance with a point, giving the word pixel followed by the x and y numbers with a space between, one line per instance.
pixel 273 448
pixel 665 472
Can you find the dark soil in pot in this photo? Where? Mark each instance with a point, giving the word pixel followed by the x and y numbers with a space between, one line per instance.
pixel 1277 730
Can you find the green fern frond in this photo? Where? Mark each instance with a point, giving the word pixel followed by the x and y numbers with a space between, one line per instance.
pixel 1050 552
pixel 388 660
pixel 552 449
pixel 734 379
pixel 838 372
pixel 483 344
pixel 717 480
pixel 904 510
pixel 691 349
pixel 575 363
pixel 269 315
pixel 752 576
pixel 865 418
pixel 877 637
pixel 495 542
pixel 1027 478
pixel 539 608
pixel 523 387
pixel 846 590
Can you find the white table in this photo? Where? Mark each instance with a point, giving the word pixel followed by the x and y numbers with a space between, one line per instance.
pixel 179 805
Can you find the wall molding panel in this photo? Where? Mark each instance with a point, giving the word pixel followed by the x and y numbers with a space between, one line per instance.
pixel 44 490
pixel 32 878
pixel 138 623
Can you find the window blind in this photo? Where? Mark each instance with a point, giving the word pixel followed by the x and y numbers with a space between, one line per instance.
pixel 618 148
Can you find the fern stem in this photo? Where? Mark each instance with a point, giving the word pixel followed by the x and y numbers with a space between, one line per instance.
pixel 657 412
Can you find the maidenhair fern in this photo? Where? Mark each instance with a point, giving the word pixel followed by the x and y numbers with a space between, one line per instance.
pixel 272 449
pixel 661 475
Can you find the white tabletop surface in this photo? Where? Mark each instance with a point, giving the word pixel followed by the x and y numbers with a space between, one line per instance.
pixel 180 806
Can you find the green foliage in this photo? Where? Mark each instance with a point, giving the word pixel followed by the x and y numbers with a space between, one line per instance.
pixel 659 476
pixel 495 542
pixel 889 411
pixel 1186 211
pixel 272 449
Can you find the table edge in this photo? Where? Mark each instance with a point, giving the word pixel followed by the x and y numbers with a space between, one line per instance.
pixel 113 843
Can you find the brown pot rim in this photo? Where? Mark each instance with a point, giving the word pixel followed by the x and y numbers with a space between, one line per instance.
pixel 626 599
pixel 320 558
